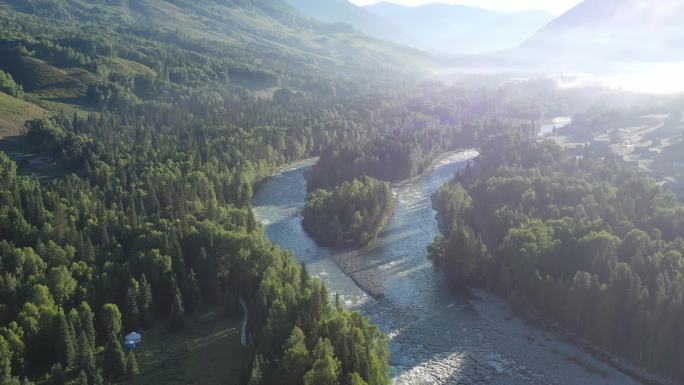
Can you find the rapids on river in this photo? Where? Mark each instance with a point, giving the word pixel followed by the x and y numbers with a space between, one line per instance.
pixel 437 335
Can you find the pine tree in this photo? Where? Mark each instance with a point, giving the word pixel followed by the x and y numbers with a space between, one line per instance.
pixel 87 323
pixel 194 294
pixel 82 378
pixel 356 379
pixel 256 375
pixel 110 320
pixel 145 302
pixel 132 364
pixel 177 313
pixel 85 351
pixel 114 363
pixel 57 375
pixel 5 360
pixel 304 277
pixel 296 360
pixel 326 368
pixel 131 307
pixel 65 348
pixel 91 371
pixel 207 277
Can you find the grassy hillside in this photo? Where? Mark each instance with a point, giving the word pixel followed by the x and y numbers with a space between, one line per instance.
pixel 258 41
pixel 38 76
pixel 342 11
pixel 14 112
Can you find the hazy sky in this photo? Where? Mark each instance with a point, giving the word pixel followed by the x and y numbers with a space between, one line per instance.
pixel 555 7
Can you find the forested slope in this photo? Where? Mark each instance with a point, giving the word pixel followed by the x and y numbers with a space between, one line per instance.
pixel 165 140
pixel 588 241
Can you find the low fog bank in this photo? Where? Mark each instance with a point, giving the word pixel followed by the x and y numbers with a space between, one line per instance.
pixel 643 77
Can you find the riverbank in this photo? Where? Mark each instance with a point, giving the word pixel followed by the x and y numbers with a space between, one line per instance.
pixel 354 262
pixel 437 336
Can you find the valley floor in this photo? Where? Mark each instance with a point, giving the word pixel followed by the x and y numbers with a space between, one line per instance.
pixel 436 336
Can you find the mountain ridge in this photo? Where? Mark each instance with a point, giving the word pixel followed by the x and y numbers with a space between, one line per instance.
pixel 343 11
pixel 610 30
pixel 461 29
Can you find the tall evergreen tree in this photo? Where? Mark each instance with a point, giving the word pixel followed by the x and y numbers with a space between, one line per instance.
pixel 356 379
pixel 207 276
pixel 145 302
pixel 296 361
pixel 256 375
pixel 114 360
pixel 91 370
pixel 110 320
pixel 132 365
pixel 194 294
pixel 326 367
pixel 131 307
pixel 65 348
pixel 82 378
pixel 87 323
pixel 177 313
pixel 57 375
pixel 85 351
pixel 5 360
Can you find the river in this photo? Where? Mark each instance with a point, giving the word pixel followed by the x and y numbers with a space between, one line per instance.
pixel 437 336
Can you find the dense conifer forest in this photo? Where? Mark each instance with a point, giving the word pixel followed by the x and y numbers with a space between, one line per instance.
pixel 588 241
pixel 159 118
pixel 163 140
pixel 353 213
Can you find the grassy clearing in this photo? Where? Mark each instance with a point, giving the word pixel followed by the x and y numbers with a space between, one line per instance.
pixel 266 93
pixel 17 149
pixel 42 78
pixel 131 68
pixel 14 112
pixel 208 353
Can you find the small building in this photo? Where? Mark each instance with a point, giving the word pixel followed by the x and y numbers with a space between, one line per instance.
pixel 132 340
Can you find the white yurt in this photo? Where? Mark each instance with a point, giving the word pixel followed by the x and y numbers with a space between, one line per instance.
pixel 132 340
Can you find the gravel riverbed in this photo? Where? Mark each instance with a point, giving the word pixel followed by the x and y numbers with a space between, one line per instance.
pixel 437 335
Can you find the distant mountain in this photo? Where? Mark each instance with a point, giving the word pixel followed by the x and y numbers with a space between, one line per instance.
pixel 342 11
pixel 599 31
pixel 461 29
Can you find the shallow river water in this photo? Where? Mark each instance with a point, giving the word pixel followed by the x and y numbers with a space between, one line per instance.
pixel 437 336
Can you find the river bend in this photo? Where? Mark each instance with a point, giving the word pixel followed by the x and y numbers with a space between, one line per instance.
pixel 436 336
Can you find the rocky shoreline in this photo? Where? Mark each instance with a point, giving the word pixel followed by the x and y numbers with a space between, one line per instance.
pixel 354 266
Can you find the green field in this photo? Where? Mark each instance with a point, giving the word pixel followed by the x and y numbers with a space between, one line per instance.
pixel 208 353
pixel 14 112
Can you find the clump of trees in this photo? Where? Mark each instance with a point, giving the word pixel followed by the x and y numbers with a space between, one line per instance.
pixel 9 86
pixel 589 241
pixel 353 213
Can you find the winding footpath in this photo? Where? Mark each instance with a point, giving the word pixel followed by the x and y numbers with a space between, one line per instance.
pixel 437 336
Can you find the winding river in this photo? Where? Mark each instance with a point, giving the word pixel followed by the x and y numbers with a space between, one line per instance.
pixel 437 336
